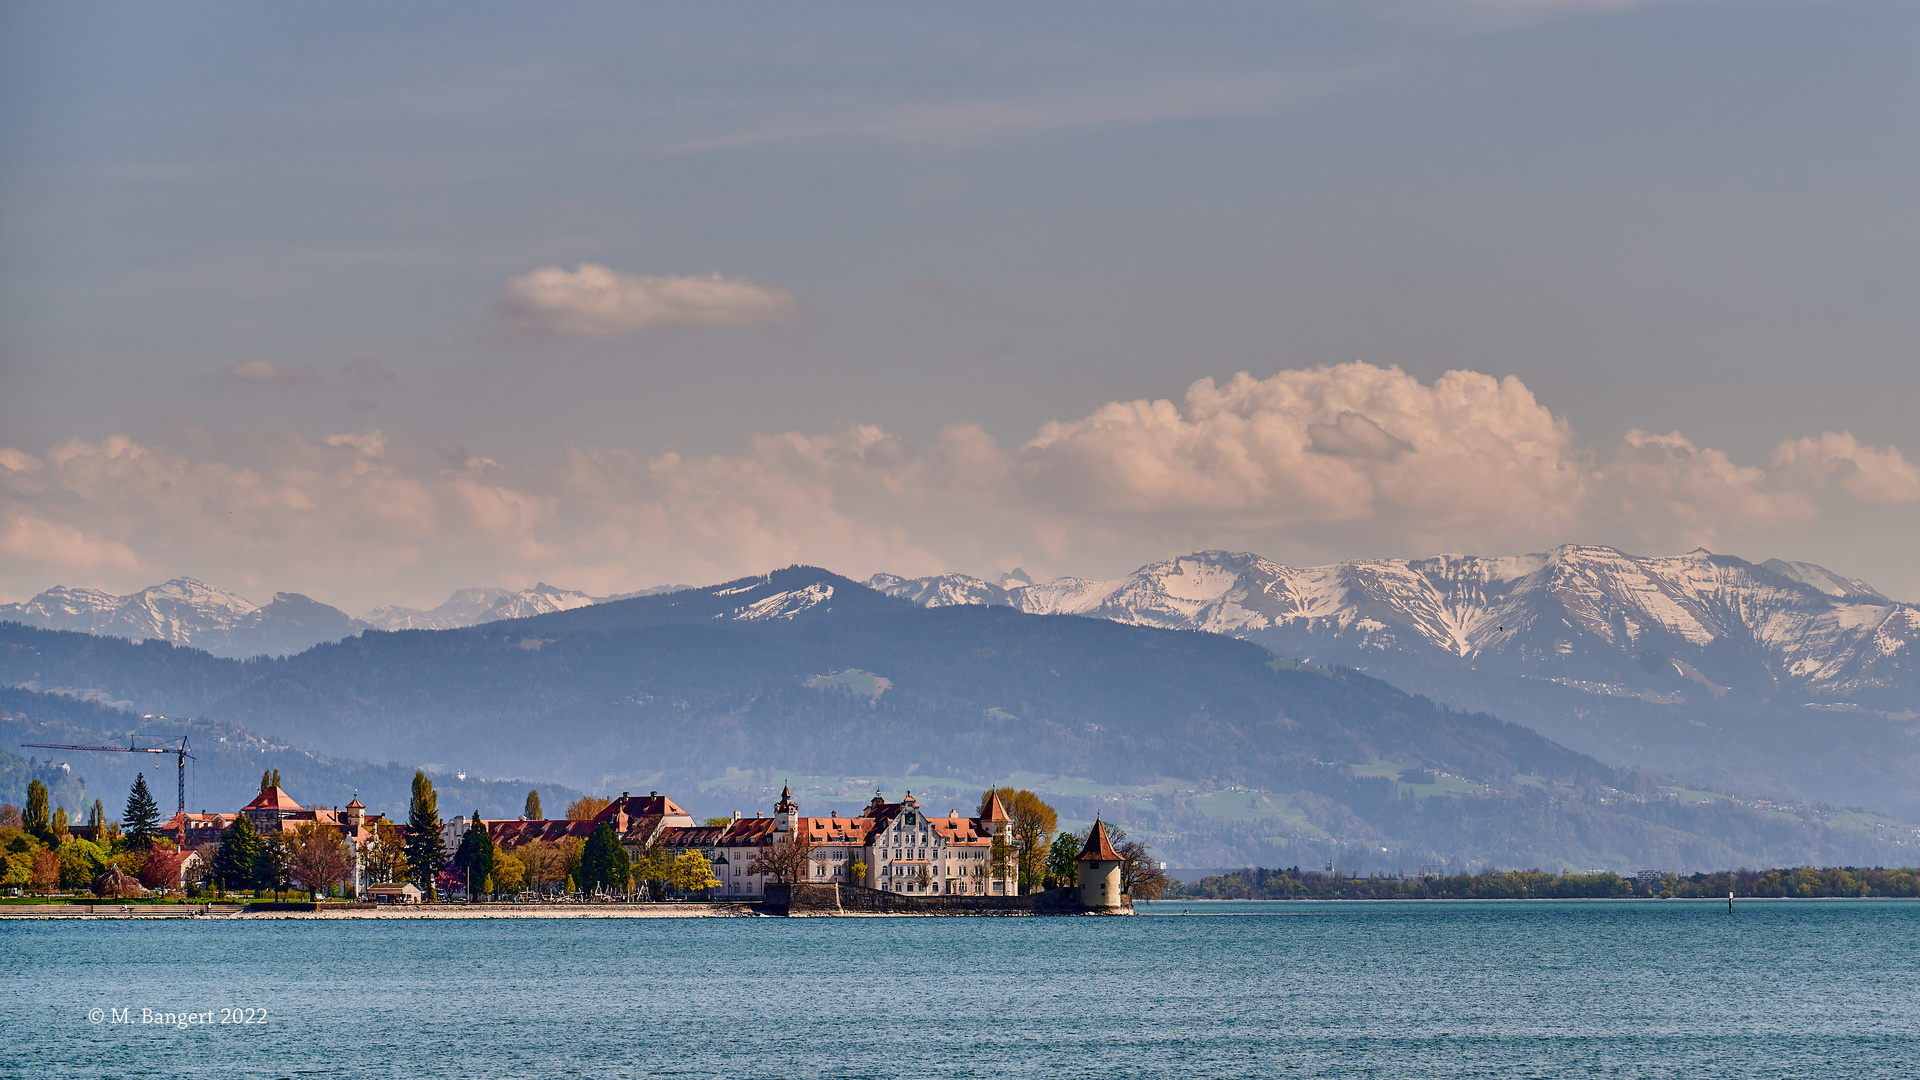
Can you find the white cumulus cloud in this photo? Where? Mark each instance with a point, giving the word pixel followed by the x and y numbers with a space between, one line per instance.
pixel 1338 461
pixel 1868 473
pixel 596 301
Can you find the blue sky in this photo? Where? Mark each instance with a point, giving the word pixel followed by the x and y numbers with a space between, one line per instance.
pixel 295 299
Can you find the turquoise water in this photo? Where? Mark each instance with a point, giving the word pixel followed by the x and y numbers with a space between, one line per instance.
pixel 1540 989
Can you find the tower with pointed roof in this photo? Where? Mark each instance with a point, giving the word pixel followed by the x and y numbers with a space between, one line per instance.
pixel 1099 870
pixel 786 812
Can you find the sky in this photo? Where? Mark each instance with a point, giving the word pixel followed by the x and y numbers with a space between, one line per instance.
pixel 371 302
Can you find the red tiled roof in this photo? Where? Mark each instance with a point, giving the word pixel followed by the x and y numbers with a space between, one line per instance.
pixel 634 806
pixel 1099 848
pixel 995 811
pixel 272 799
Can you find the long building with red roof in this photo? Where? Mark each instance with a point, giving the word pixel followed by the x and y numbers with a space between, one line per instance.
pixel 892 846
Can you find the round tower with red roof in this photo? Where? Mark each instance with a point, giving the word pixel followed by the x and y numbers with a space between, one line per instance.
pixel 1100 870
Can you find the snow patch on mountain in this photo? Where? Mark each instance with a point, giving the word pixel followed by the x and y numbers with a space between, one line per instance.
pixel 785 605
pixel 1577 614
pixel 185 611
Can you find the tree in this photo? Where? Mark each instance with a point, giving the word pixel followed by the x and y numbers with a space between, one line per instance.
pixel 37 819
pixel 80 862
pixel 10 817
pixel 603 862
pixel 234 862
pixel 385 856
pixel 1000 856
pixel 717 822
pixel 1063 860
pixel 476 854
pixel 785 859
pixel 162 868
pixel 587 807
pixel 1033 822
pixel 142 819
pixel 655 868
pixel 425 856
pixel 693 873
pixel 46 871
pixel 61 823
pixel 320 859
pixel 1140 876
pixel 509 873
pixel 269 779
pixel 857 873
pixel 545 863
pixel 274 868
pixel 533 806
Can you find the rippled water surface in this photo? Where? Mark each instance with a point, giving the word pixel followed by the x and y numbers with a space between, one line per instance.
pixel 1636 988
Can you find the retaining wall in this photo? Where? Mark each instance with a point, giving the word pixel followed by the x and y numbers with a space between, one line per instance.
pixel 835 899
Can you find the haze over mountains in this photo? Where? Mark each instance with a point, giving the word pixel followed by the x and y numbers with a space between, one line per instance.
pixel 189 612
pixel 1215 748
pixel 1783 679
pixel 1775 680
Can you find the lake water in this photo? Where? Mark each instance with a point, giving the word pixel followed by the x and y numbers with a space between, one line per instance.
pixel 1539 989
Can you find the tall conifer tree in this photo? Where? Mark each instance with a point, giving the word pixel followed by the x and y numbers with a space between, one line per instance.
pixel 234 864
pixel 533 806
pixel 142 820
pixel 425 856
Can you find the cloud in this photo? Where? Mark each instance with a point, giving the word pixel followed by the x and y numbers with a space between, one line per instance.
pixel 595 301
pixel 1345 459
pixel 1867 473
pixel 35 539
pixel 263 372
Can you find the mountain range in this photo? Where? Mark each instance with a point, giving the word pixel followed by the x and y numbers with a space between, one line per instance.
pixel 1778 678
pixel 1216 749
pixel 189 612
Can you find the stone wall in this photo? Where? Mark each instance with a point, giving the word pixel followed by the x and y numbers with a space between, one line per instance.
pixel 833 899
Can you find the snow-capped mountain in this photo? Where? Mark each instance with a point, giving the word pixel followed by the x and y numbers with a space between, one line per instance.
pixel 471 607
pixel 1590 615
pixel 1778 678
pixel 1677 627
pixel 189 612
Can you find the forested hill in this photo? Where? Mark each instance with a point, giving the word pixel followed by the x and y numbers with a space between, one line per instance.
pixel 750 675
pixel 803 673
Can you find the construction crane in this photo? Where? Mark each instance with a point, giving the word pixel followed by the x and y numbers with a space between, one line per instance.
pixel 180 754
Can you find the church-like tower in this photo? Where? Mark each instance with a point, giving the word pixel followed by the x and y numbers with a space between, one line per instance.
pixel 1099 870
pixel 786 812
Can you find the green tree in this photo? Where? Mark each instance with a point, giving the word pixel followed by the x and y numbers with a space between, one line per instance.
pixel 693 873
pixel 142 820
pixel 235 861
pixel 604 863
pixel 1063 860
pixel 509 873
pixel 425 856
pixel 533 806
pixel 476 854
pixel 37 820
pixel 274 868
pixel 655 868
